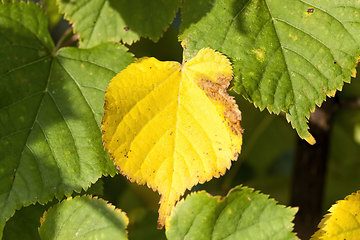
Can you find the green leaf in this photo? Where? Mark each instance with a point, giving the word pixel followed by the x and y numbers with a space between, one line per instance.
pixel 114 20
pixel 51 105
pixel 288 55
pixel 52 12
pixel 83 218
pixel 2 225
pixel 243 214
pixel 25 223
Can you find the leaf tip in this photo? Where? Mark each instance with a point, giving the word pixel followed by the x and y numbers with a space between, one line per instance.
pixel 311 140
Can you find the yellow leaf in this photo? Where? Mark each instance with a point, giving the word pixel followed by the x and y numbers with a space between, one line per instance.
pixel 343 221
pixel 172 126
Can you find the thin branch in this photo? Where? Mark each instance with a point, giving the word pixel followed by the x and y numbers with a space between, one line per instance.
pixel 64 38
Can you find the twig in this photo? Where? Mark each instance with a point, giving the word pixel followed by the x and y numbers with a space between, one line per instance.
pixel 63 38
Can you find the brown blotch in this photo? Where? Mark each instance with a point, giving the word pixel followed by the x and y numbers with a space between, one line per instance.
pixel 310 10
pixel 217 91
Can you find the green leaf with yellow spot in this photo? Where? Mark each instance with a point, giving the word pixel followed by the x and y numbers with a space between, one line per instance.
pixel 343 221
pixel 172 126
pixel 83 218
pixel 242 214
pixel 288 55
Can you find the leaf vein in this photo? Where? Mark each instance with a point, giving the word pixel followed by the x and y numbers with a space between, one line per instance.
pixel 202 128
pixel 71 133
pixel 232 22
pixel 142 99
pixel 22 151
pixel 82 94
pixel 277 35
pixel 338 20
pixel 143 127
pixel 96 21
pixel 201 160
pixel 24 65
pixel 37 161
pixel 18 101
pixel 87 61
pixel 312 36
pixel 309 62
pixel 21 24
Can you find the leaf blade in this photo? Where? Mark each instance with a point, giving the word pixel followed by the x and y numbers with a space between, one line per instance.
pixel 83 218
pixel 288 55
pixel 129 20
pixel 242 214
pixel 51 146
pixel 342 222
pixel 187 127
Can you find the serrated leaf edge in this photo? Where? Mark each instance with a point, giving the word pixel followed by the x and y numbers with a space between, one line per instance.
pixel 87 196
pixel 222 198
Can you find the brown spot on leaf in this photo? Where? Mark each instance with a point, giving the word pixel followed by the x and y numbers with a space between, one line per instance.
pixel 310 10
pixel 126 28
pixel 217 91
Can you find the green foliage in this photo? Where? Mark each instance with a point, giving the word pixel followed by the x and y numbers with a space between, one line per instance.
pixel 242 214
pixel 115 20
pixel 51 108
pixel 287 55
pixel 83 218
pixel 52 12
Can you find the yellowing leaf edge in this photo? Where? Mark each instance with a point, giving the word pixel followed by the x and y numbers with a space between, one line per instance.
pixel 213 84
